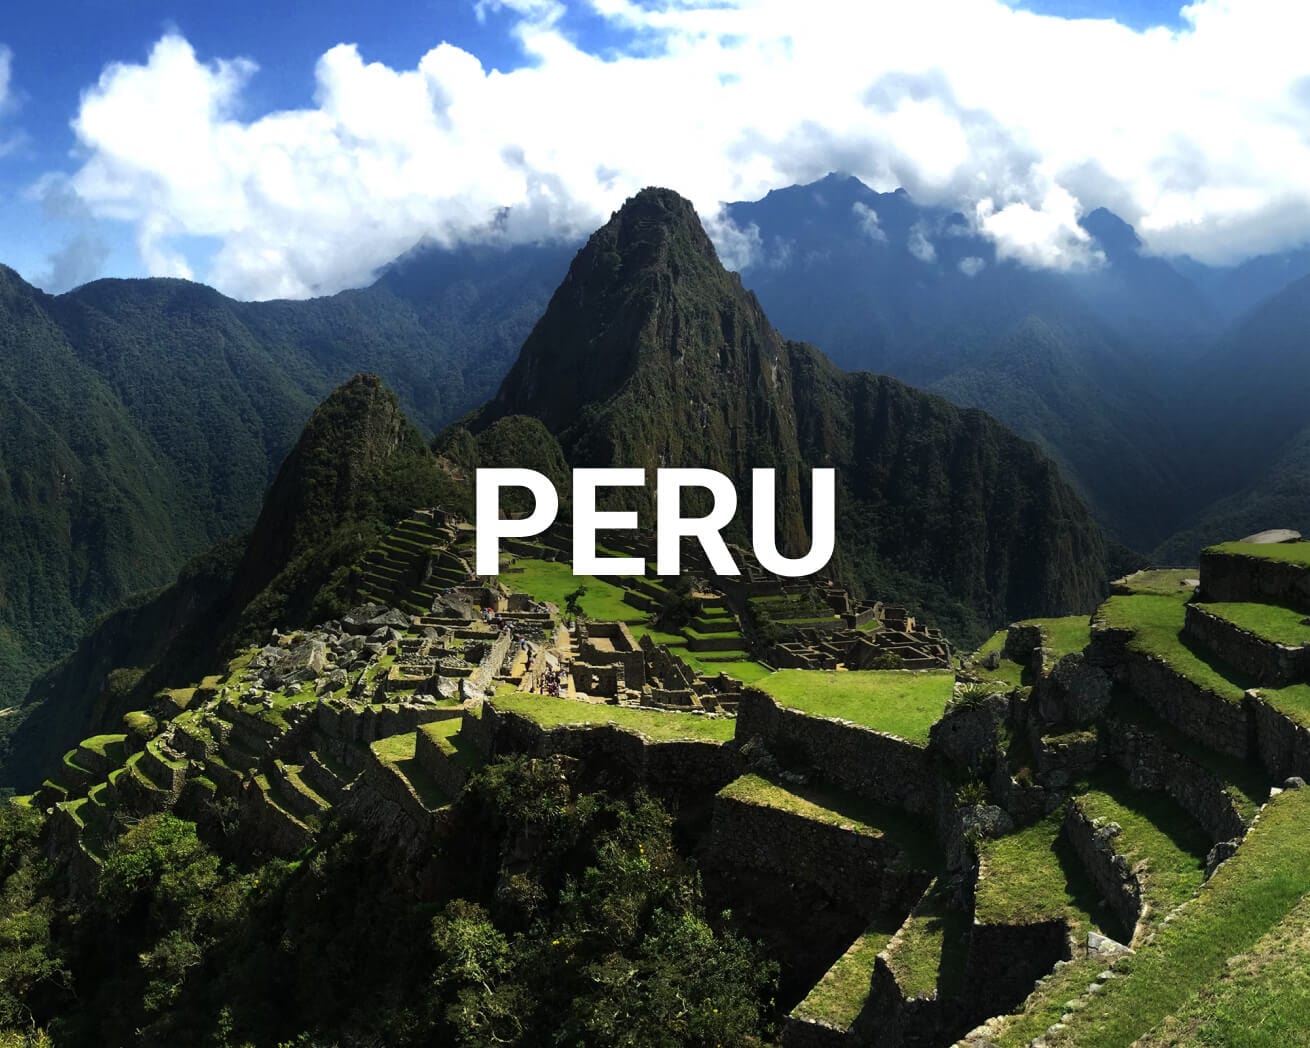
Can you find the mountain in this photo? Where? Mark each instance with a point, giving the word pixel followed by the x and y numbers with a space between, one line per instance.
pixel 652 354
pixel 1251 426
pixel 145 419
pixel 1081 362
pixel 358 467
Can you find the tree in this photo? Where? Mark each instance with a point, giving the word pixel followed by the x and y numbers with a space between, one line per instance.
pixel 573 603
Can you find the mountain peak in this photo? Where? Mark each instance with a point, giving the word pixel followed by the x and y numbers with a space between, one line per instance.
pixel 645 295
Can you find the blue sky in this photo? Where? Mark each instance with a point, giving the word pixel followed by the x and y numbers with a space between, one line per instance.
pixel 721 100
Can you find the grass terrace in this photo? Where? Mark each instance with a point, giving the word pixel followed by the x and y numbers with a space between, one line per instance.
pixel 1286 552
pixel 838 808
pixel 1065 636
pixel 900 702
pixel 1157 623
pixel 1261 999
pixel 1033 875
pixel 550 580
pixel 1163 582
pixel 656 725
pixel 1156 829
pixel 1267 621
pixel 929 957
pixel 1245 901
pixel 839 996
pixel 1292 702
pixel 397 753
pixel 446 735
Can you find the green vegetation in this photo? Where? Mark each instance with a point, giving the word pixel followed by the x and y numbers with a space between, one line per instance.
pixel 1285 552
pixel 1267 621
pixel 1064 636
pixel 899 702
pixel 1157 830
pixel 838 997
pixel 1157 624
pixel 1163 582
pixel 657 725
pixel 394 748
pixel 928 956
pixel 1244 901
pixel 1292 701
pixel 1032 875
pixel 553 581
pixel 1261 1000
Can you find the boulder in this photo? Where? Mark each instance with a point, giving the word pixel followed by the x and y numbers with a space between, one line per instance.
pixel 1075 693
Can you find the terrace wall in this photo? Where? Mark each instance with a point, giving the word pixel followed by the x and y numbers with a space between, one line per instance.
pixel 854 870
pixel 1265 661
pixel 1258 580
pixel 869 763
pixel 1152 765
pixel 1116 882
pixel 673 769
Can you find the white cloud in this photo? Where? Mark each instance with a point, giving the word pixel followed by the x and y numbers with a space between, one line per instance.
pixel 1047 235
pixel 1198 136
pixel 972 266
pixel 867 218
pixel 919 244
pixel 737 248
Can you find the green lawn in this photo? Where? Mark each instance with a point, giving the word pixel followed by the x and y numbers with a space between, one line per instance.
pixel 552 581
pixel 1033 875
pixel 1166 582
pixel 929 956
pixel 838 997
pixel 1157 622
pixel 1262 999
pixel 1288 552
pixel 658 725
pixel 1242 903
pixel 1267 621
pixel 1292 702
pixel 900 702
pixel 1157 830
pixel 394 748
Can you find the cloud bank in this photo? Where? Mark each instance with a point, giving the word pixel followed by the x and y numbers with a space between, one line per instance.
pixel 1199 137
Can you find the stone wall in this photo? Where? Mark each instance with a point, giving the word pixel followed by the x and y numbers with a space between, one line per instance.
pixel 1152 765
pixel 879 767
pixel 1271 664
pixel 1020 642
pixel 1258 580
pixel 449 774
pixel 1005 960
pixel 1118 884
pixel 1210 719
pixel 864 873
pixel 810 1033
pixel 370 723
pixel 1283 745
pixel 674 769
